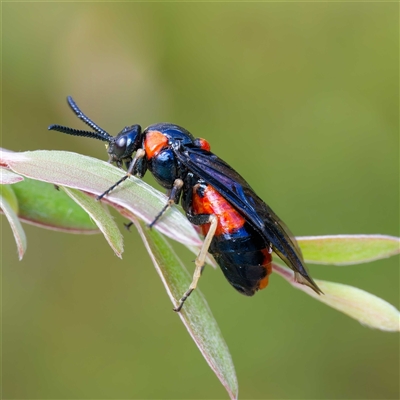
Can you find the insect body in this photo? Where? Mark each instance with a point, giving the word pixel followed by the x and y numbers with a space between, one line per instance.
pixel 240 230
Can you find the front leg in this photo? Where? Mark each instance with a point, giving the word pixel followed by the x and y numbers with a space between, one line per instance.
pixel 137 160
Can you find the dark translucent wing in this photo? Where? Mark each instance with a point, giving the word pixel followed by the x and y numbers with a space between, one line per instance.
pixel 238 192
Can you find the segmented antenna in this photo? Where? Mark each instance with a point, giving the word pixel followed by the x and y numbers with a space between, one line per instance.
pixel 99 133
pixel 78 132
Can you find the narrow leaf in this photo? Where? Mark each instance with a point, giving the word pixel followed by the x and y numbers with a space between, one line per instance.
pixel 8 194
pixel 365 307
pixel 16 227
pixel 8 177
pixel 42 205
pixel 195 314
pixel 101 217
pixel 348 249
pixel 95 176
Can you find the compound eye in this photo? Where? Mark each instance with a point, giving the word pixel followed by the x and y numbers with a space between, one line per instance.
pixel 117 148
pixel 125 143
pixel 121 143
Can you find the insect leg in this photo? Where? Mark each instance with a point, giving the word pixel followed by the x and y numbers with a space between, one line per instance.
pixel 173 198
pixel 199 219
pixel 138 156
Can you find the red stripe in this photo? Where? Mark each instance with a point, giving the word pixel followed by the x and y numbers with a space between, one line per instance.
pixel 229 220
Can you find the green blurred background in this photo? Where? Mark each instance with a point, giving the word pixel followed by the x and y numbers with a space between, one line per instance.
pixel 301 98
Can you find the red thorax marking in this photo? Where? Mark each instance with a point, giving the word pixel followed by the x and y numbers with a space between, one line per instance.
pixel 204 144
pixel 154 142
pixel 229 220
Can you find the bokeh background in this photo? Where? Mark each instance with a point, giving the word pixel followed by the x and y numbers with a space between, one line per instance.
pixel 301 98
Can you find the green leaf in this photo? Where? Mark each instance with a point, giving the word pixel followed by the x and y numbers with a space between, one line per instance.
pixel 8 177
pixel 365 307
pixel 347 249
pixel 95 176
pixel 195 314
pixel 41 204
pixel 101 217
pixel 9 205
pixel 8 194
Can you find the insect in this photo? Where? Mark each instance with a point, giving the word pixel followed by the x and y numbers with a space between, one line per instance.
pixel 240 230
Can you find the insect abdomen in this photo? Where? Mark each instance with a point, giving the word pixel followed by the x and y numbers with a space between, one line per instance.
pixel 238 249
pixel 244 259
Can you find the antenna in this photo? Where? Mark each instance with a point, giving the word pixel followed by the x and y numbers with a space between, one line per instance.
pixel 99 133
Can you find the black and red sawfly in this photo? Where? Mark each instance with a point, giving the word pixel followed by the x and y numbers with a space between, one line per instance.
pixel 240 230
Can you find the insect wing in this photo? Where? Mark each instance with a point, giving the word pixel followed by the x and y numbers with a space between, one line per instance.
pixel 238 192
